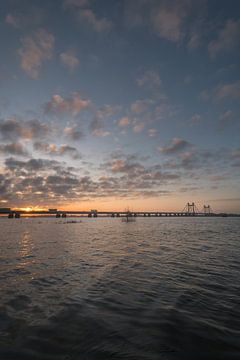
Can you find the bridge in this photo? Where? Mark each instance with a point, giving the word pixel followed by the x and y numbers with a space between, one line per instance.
pixel 189 210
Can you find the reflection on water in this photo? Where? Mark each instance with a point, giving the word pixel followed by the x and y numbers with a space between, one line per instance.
pixel 25 249
pixel 105 289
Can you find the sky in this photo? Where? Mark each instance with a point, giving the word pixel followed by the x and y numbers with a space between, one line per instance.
pixel 120 104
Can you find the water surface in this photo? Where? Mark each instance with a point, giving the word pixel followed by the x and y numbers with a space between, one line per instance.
pixel 158 288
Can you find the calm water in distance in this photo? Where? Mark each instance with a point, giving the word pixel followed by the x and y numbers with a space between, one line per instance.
pixel 157 288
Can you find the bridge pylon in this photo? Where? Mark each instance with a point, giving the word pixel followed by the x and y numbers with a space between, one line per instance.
pixel 207 210
pixel 190 208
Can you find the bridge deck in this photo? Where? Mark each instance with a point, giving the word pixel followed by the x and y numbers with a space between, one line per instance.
pixel 59 213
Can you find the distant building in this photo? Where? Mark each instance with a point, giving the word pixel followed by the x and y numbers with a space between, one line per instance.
pixel 52 210
pixel 94 211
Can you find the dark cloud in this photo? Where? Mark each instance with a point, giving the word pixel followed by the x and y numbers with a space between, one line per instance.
pixel 14 129
pixel 55 150
pixel 32 164
pixel 97 128
pixel 13 149
pixel 37 179
pixel 177 145
pixel 74 133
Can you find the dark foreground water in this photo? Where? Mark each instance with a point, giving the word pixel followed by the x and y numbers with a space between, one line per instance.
pixel 103 289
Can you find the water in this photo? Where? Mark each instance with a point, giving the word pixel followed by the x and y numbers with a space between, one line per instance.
pixel 158 288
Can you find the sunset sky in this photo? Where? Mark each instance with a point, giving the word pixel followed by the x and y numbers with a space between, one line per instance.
pixel 108 104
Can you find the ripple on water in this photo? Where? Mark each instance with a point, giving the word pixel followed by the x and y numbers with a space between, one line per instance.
pixel 157 289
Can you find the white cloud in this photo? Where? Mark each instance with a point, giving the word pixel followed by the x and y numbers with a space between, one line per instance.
pixel 36 49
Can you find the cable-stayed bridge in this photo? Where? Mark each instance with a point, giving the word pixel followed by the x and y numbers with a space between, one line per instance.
pixel 190 209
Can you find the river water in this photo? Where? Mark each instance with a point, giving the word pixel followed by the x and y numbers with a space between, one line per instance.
pixel 157 288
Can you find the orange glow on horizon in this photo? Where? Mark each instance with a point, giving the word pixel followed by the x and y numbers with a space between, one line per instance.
pixel 176 203
pixel 31 208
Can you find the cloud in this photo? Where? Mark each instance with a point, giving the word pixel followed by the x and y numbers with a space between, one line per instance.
pixel 231 90
pixel 124 166
pixel 32 164
pixel 124 121
pixel 149 79
pixel 152 132
pixel 32 16
pixel 140 106
pixel 73 133
pixel 194 40
pixel 130 174
pixel 226 119
pixel 13 149
pixel 70 105
pixel 14 129
pixel 53 149
pixel 42 181
pixel 36 49
pixel 222 91
pixel 98 24
pixel 107 110
pixel 167 20
pixel 97 124
pixel 12 20
pixel 69 60
pixel 228 38
pixel 176 145
pixel 138 127
pixel 235 154
pixel 69 150
pixel 195 119
pixel 97 128
pixel 101 133
pixel 86 15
